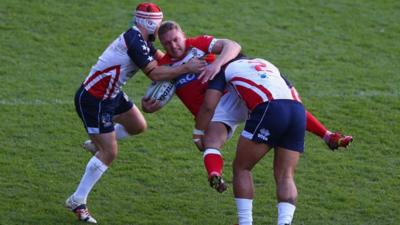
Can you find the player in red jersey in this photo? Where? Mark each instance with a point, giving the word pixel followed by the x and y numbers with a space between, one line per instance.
pixel 100 102
pixel 191 91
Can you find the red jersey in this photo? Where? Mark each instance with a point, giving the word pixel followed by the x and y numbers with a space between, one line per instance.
pixel 189 89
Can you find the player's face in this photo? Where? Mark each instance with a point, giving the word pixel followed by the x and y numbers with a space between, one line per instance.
pixel 174 43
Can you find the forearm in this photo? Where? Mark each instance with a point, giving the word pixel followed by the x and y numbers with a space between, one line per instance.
pixel 203 118
pixel 205 114
pixel 229 51
pixel 167 72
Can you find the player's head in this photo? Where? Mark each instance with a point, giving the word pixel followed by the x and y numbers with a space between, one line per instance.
pixel 148 16
pixel 172 38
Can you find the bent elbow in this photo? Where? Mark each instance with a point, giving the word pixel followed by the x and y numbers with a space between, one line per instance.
pixel 237 46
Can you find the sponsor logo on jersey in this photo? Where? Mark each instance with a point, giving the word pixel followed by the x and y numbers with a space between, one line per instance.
pixel 184 79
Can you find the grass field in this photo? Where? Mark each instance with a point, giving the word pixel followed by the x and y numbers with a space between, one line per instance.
pixel 343 57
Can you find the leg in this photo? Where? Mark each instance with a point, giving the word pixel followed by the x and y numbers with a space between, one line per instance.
pixel 216 135
pixel 97 165
pixel 247 155
pixel 214 139
pixel 128 123
pixel 285 162
pixel 95 168
pixel 132 120
pixel 334 140
pixel 107 147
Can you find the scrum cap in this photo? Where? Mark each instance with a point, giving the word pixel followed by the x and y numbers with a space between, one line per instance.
pixel 149 16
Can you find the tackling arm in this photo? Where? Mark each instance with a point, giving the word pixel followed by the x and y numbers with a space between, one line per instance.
pixel 156 72
pixel 227 50
pixel 205 115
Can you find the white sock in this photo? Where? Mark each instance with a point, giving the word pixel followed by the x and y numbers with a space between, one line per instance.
pixel 120 131
pixel 244 211
pixel 94 169
pixel 285 213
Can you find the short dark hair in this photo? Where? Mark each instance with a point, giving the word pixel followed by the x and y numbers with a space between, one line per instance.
pixel 167 26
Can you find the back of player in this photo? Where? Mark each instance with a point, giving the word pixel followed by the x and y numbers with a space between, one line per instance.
pixel 276 118
pixel 276 121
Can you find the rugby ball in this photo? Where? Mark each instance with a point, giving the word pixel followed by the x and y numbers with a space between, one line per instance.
pixel 162 91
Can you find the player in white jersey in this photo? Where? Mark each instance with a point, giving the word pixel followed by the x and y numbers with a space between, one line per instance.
pixel 106 112
pixel 277 120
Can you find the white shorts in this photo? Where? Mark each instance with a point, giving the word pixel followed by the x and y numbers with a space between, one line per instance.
pixel 231 111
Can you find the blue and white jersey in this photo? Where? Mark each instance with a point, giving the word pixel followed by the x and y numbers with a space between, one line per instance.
pixel 118 63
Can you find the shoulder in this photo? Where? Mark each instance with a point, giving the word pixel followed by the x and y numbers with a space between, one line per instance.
pixel 201 42
pixel 134 39
pixel 165 60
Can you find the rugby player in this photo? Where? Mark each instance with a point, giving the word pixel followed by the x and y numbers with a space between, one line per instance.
pixel 106 112
pixel 230 111
pixel 277 120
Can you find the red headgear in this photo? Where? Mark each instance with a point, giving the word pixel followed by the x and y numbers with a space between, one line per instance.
pixel 149 16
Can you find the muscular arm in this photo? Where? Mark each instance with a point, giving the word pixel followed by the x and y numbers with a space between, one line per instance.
pixel 227 50
pixel 156 72
pixel 207 109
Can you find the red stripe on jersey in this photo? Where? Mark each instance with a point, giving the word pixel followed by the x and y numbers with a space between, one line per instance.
pixel 100 87
pixel 114 81
pixel 251 98
pixel 98 73
pixel 258 86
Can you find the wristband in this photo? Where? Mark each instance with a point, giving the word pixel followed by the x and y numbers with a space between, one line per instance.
pixel 198 132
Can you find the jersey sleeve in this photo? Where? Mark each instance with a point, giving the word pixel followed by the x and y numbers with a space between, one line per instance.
pixel 218 83
pixel 138 50
pixel 153 49
pixel 203 42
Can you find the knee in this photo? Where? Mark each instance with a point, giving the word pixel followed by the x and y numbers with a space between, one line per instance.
pixel 143 127
pixel 108 152
pixel 110 156
pixel 139 128
pixel 283 176
pixel 240 167
pixel 213 141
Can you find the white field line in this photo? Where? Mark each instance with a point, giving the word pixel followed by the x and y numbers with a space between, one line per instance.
pixel 361 94
pixel 34 102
